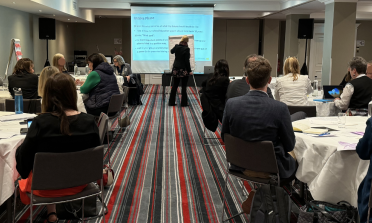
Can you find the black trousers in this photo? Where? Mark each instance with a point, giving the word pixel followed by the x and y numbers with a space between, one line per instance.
pixel 176 82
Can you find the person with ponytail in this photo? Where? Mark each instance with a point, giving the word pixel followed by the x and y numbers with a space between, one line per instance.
pixel 293 88
pixel 60 128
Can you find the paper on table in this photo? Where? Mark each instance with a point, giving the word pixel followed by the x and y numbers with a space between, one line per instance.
pixel 346 146
pixel 6 135
pixel 324 120
pixel 17 117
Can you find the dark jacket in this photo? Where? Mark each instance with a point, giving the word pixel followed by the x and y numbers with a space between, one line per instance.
pixel 182 60
pixel 239 88
pixel 362 92
pixel 27 82
pixel 364 150
pixel 216 95
pixel 256 117
pixel 45 131
pixel 100 95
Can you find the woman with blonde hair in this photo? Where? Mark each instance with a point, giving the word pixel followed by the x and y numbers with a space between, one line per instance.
pixel 46 73
pixel 293 88
pixel 60 62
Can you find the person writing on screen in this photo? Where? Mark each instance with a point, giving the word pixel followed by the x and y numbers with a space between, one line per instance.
pixel 181 70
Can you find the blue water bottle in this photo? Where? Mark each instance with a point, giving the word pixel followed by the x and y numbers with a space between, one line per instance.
pixel 18 100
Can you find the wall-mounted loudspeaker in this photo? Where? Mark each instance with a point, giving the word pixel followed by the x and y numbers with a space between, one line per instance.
pixel 305 28
pixel 47 28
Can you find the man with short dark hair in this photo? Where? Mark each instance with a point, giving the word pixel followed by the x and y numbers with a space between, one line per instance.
pixel 256 117
pixel 240 87
pixel 358 92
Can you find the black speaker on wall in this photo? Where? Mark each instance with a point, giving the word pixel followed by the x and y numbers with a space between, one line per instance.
pixel 47 28
pixel 305 28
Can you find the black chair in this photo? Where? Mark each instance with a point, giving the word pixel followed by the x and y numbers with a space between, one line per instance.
pixel 309 110
pixel 254 156
pixel 29 105
pixel 84 167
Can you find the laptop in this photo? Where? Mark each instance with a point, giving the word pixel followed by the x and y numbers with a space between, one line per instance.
pixel 332 91
pixel 208 69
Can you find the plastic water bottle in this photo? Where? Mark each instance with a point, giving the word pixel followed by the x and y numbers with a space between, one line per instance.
pixel 315 87
pixel 370 109
pixel 18 100
pixel 75 69
pixel 86 69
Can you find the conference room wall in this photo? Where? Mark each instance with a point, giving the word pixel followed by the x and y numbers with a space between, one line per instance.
pixel 14 24
pixel 241 40
pixel 102 33
pixel 364 33
pixel 64 44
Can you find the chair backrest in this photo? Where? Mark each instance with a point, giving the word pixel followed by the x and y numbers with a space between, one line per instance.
pixel 29 105
pixel 53 171
pixel 102 126
pixel 309 110
pixel 115 103
pixel 255 156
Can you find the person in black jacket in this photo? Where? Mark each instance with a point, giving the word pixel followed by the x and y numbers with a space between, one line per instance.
pixel 181 70
pixel 23 77
pixel 215 88
pixel 59 129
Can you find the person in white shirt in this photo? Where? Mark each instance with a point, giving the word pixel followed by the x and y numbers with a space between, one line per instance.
pixel 293 88
pixel 358 92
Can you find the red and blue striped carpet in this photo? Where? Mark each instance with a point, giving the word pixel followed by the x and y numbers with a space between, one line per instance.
pixel 163 172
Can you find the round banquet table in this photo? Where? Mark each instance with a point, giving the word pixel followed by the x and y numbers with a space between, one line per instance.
pixel 331 175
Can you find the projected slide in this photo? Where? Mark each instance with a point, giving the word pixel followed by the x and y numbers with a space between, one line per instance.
pixel 151 27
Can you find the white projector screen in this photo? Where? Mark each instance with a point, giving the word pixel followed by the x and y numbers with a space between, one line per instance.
pixel 151 27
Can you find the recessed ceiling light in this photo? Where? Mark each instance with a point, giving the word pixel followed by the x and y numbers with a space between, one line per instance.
pixel 75 21
pixel 40 10
pixel 13 2
pixel 68 19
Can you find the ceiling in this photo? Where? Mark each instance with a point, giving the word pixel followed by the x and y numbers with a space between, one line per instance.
pixel 88 10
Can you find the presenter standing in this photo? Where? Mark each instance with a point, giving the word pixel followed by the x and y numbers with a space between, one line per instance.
pixel 181 70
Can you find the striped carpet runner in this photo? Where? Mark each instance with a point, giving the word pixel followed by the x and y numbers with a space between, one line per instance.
pixel 163 171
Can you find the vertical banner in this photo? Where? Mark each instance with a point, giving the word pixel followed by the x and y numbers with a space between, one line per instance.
pixel 14 55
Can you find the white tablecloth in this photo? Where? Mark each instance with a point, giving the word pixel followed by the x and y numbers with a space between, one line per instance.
pixel 8 147
pixel 331 175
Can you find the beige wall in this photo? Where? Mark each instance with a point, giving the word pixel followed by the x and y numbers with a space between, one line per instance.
pixel 241 40
pixel 102 33
pixel 64 44
pixel 271 43
pixel 365 33
pixel 15 24
pixel 219 39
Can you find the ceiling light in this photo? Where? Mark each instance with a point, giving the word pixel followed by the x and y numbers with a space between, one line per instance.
pixel 68 19
pixel 75 21
pixel 40 10
pixel 54 15
pixel 13 2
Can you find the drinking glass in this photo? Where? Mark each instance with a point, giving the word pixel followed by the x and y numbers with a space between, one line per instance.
pixel 341 120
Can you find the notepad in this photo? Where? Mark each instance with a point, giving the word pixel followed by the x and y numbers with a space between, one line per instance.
pixel 301 127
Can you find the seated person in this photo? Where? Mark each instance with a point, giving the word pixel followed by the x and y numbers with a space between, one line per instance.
pixel 292 88
pixel 358 92
pixel 267 120
pixel 215 88
pixel 240 87
pixel 59 129
pixel 364 150
pixel 100 84
pixel 45 74
pixel 130 80
pixel 59 62
pixel 23 77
